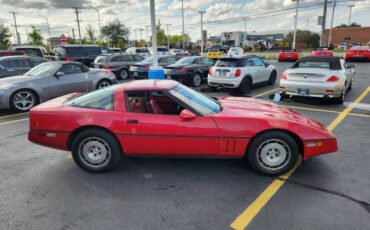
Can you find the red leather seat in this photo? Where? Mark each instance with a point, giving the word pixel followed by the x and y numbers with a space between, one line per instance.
pixel 154 105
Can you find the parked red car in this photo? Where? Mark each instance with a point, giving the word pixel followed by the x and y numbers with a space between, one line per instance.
pixel 358 53
pixel 288 55
pixel 166 118
pixel 322 52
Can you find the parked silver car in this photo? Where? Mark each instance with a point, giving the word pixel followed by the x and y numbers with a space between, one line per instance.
pixel 49 80
pixel 322 77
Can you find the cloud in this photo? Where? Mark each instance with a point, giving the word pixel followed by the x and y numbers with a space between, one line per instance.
pixel 24 4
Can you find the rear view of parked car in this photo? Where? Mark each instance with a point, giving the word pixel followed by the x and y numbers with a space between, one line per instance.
pixel 142 51
pixel 214 53
pixel 318 52
pixel 320 77
pixel 118 63
pixel 235 52
pixel 241 73
pixel 84 54
pixel 361 53
pixel 288 55
pixel 17 65
pixel 140 70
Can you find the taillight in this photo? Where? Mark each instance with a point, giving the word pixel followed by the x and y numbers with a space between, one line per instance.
pixel 210 71
pixel 68 59
pixel 182 70
pixel 333 78
pixel 283 76
pixel 109 73
pixel 147 67
pixel 107 67
pixel 238 72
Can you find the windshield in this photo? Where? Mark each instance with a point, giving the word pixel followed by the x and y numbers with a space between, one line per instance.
pixel 98 99
pixel 311 64
pixel 198 101
pixel 83 51
pixel 188 60
pixel 44 70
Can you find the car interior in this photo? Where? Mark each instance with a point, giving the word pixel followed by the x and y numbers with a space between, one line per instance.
pixel 154 102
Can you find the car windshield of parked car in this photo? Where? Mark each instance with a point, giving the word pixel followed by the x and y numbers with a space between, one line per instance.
pixel 142 50
pixel 313 64
pixel 229 62
pixel 188 60
pixel 201 103
pixel 161 49
pixel 83 51
pixel 44 70
pixel 99 99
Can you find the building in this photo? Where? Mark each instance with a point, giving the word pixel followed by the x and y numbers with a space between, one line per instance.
pixel 352 35
pixel 237 38
pixel 213 41
pixel 53 41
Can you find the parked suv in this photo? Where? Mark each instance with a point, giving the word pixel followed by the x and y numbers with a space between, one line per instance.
pixel 241 73
pixel 17 65
pixel 142 51
pixel 118 63
pixel 84 54
pixel 37 51
pixel 160 50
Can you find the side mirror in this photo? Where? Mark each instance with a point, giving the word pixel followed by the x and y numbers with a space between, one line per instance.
pixel 186 115
pixel 267 64
pixel 60 74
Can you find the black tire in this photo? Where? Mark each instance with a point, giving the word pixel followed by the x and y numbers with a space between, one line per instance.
pixel 103 83
pixel 123 74
pixel 30 100
pixel 350 85
pixel 102 143
pixel 267 148
pixel 340 99
pixel 196 80
pixel 246 85
pixel 272 78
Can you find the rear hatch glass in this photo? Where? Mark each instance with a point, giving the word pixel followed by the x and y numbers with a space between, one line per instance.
pixel 310 64
pixel 229 62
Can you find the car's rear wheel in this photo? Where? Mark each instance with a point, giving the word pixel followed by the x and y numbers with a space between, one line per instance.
pixel 103 84
pixel 246 85
pixel 197 80
pixel 23 100
pixel 123 74
pixel 272 153
pixel 96 150
pixel 340 99
pixel 272 78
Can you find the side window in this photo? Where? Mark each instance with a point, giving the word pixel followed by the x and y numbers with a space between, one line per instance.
pixel 23 62
pixel 138 58
pixel 116 59
pixel 126 58
pixel 71 69
pixel 8 64
pixel 152 102
pixel 257 62
pixel 99 99
pixel 35 62
pixel 248 62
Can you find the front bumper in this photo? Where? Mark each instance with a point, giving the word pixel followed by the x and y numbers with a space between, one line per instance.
pixel 316 89
pixel 231 83
pixel 314 148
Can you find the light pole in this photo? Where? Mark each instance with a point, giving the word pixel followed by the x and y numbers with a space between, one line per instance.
pixel 16 27
pixel 183 27
pixel 97 10
pixel 323 23
pixel 201 31
pixel 141 33
pixel 245 32
pixel 350 14
pixel 154 33
pixel 135 37
pixel 295 24
pixel 47 22
pixel 168 36
pixel 147 36
pixel 331 23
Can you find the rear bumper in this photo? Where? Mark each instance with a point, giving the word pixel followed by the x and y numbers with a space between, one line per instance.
pixel 319 89
pixel 231 83
pixel 51 139
pixel 314 148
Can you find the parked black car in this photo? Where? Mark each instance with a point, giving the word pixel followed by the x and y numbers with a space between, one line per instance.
pixel 84 54
pixel 140 70
pixel 190 70
pixel 118 63
pixel 18 65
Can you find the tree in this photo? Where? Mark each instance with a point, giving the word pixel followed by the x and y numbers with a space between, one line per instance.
pixel 308 38
pixel 176 40
pixel 353 24
pixel 161 35
pixel 90 34
pixel 35 37
pixel 4 37
pixel 115 31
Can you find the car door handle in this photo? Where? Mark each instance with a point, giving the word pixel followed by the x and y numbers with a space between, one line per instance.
pixel 132 121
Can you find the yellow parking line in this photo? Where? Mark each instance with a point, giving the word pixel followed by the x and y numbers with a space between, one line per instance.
pixel 13 115
pixel 264 93
pixel 11 122
pixel 244 219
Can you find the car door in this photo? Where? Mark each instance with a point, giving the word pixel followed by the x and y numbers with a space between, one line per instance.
pixel 147 131
pixel 204 65
pixel 74 80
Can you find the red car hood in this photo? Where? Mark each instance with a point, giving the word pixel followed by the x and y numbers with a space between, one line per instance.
pixel 249 107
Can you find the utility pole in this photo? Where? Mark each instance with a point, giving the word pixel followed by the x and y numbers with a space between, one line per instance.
pixel 97 10
pixel 141 33
pixel 308 20
pixel 168 36
pixel 135 37
pixel 73 34
pixel 78 22
pixel 323 23
pixel 295 24
pixel 47 22
pixel 183 27
pixel 245 32
pixel 16 28
pixel 147 36
pixel 331 23
pixel 201 31
pixel 350 14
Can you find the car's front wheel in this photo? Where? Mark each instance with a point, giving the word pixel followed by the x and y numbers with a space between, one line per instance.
pixel 123 74
pixel 23 100
pixel 272 153
pixel 96 150
pixel 197 80
pixel 103 84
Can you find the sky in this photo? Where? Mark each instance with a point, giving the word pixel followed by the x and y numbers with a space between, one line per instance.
pixel 135 14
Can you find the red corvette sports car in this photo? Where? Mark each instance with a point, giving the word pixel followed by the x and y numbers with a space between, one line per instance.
pixel 322 52
pixel 166 118
pixel 288 55
pixel 358 53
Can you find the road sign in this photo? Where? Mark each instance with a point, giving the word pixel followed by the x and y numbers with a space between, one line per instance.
pixel 63 40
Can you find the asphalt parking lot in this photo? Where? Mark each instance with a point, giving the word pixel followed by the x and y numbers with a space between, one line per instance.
pixel 42 188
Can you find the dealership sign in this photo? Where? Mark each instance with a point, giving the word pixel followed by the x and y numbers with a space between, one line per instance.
pixel 63 40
